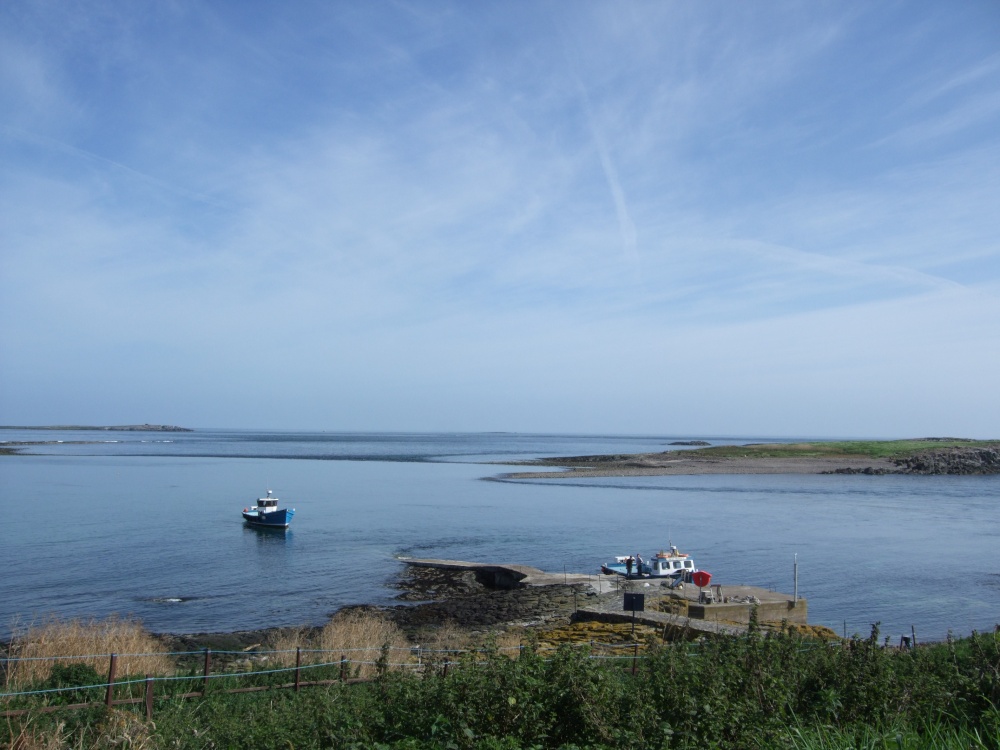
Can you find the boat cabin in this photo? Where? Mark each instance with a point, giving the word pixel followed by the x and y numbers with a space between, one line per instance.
pixel 661 566
pixel 671 562
pixel 267 504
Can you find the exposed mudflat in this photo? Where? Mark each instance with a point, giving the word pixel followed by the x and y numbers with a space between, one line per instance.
pixel 687 462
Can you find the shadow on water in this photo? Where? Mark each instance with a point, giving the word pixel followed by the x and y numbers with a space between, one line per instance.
pixel 268 537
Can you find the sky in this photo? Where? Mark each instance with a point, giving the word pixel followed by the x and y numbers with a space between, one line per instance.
pixel 665 217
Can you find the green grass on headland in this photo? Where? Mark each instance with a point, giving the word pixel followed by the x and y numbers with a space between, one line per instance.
pixel 842 449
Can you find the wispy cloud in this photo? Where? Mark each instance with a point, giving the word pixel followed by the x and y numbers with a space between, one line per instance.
pixel 511 205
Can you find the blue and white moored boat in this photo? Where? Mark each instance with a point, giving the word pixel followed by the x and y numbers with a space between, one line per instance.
pixel 267 513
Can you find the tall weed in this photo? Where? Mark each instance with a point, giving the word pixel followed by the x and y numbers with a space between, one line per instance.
pixel 359 635
pixel 37 648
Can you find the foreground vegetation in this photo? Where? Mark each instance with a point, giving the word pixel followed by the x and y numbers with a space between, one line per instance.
pixel 773 690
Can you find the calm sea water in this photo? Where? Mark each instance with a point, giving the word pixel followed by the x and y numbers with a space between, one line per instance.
pixel 149 524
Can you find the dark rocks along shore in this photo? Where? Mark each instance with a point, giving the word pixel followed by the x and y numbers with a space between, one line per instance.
pixel 463 598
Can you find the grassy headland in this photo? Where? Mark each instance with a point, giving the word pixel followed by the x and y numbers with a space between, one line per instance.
pixel 915 456
pixel 843 448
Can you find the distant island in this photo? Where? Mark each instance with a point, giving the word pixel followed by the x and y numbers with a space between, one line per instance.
pixel 916 456
pixel 112 428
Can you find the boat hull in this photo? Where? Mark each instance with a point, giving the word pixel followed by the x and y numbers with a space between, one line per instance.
pixel 615 569
pixel 277 519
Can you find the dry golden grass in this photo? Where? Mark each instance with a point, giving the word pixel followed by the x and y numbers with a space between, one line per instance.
pixel 509 643
pixel 611 639
pixel 119 729
pixel 358 635
pixel 820 632
pixel 24 736
pixel 448 642
pixel 125 729
pixel 92 641
pixel 444 638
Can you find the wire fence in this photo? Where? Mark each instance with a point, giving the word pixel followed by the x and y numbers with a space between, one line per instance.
pixel 352 666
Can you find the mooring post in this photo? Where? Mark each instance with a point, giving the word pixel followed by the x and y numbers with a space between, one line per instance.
pixel 208 668
pixel 796 567
pixel 149 697
pixel 109 698
pixel 298 666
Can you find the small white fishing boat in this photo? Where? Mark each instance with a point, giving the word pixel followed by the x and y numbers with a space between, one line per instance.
pixel 669 563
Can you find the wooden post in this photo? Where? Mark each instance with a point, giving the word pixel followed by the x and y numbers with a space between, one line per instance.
pixel 149 698
pixel 208 669
pixel 445 672
pixel 109 698
pixel 913 632
pixel 343 667
pixel 635 657
pixel 298 665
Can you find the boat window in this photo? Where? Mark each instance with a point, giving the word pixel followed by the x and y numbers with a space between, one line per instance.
pixel 688 564
pixel 677 563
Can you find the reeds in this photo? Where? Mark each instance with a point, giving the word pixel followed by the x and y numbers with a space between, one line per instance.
pixel 35 649
pixel 360 636
pixel 116 729
pixel 448 642
pixel 369 641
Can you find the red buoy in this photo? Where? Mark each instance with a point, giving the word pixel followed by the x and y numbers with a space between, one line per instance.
pixel 701 578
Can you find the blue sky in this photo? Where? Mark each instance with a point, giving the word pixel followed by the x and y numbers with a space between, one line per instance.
pixel 658 217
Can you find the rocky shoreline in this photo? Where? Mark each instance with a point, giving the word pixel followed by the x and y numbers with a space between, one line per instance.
pixel 430 598
pixel 462 598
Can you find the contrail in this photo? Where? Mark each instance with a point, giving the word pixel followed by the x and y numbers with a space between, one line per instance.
pixel 625 224
pixel 75 151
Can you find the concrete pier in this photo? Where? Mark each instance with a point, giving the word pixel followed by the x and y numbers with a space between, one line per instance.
pixel 716 609
pixel 505 575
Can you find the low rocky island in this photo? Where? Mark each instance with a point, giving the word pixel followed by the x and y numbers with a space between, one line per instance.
pixel 13 447
pixel 955 456
pixel 104 428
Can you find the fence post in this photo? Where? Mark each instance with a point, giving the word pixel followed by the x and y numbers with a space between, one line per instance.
pixel 635 658
pixel 298 665
pixel 149 698
pixel 109 698
pixel 343 667
pixel 208 668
